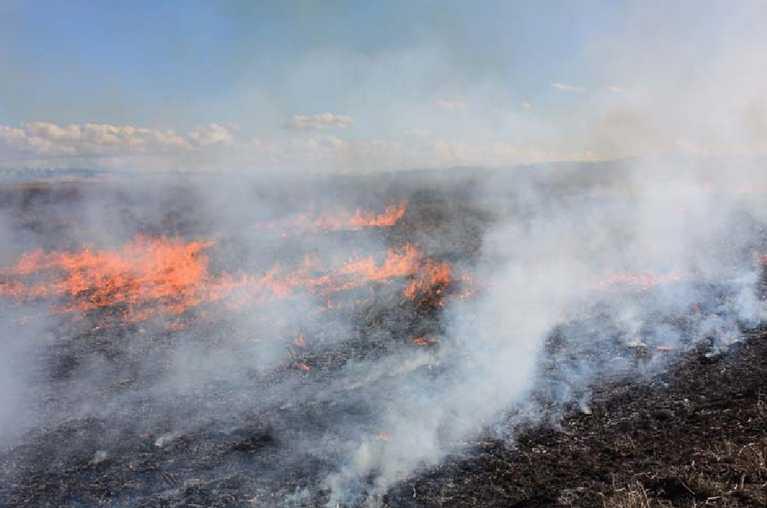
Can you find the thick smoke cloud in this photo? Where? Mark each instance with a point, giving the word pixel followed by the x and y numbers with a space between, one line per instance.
pixel 548 266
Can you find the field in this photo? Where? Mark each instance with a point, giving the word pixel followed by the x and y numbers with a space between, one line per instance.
pixel 339 341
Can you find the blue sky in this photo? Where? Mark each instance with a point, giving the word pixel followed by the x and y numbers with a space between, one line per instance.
pixel 425 78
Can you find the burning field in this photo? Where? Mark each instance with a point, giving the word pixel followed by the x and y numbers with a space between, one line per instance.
pixel 557 337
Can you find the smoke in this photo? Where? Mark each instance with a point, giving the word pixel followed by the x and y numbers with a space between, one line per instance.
pixel 584 272
pixel 550 323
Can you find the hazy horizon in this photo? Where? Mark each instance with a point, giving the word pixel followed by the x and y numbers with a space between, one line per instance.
pixel 347 87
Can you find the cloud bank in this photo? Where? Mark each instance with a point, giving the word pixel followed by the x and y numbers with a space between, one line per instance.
pixel 321 121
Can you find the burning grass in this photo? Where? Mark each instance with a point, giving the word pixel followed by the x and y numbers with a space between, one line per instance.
pixel 153 277
pixel 235 431
pixel 340 221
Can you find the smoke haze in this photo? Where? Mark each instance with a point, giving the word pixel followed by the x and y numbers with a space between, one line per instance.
pixel 259 286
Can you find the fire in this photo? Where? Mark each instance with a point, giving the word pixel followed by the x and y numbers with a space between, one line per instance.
pixel 151 277
pixel 147 276
pixel 342 221
pixel 387 219
pixel 397 264
pixel 424 341
pixel 433 277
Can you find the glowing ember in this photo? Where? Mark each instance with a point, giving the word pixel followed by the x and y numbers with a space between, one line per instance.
pixel 424 341
pixel 302 366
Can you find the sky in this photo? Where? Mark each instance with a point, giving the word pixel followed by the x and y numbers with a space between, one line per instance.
pixel 361 86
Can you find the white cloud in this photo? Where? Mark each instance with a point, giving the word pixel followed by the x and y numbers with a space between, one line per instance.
pixel 105 146
pixel 422 133
pixel 212 134
pixel 451 104
pixel 46 144
pixel 526 105
pixel 321 121
pixel 564 87
pixel 49 140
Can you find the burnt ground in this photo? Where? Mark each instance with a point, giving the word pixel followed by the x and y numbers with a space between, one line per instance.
pixel 693 434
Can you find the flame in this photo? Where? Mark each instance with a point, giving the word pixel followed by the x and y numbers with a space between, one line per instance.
pixel 150 277
pixel 431 279
pixel 387 219
pixel 342 221
pixel 397 264
pixel 424 341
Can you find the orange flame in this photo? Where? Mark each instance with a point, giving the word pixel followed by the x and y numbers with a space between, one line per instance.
pixel 341 221
pixel 387 219
pixel 433 278
pixel 397 264
pixel 150 277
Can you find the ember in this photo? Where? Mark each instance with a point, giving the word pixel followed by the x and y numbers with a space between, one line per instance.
pixel 302 366
pixel 424 341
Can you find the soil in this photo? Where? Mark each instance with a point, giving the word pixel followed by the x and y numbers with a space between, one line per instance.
pixel 695 436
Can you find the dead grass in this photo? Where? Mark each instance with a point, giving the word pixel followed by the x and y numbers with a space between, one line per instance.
pixel 633 495
pixel 749 461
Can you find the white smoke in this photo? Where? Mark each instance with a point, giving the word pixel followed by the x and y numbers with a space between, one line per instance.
pixel 545 265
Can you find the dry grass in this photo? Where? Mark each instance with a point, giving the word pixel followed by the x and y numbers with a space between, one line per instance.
pixel 748 461
pixel 633 495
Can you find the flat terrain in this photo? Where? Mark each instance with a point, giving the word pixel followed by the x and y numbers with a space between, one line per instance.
pixel 254 405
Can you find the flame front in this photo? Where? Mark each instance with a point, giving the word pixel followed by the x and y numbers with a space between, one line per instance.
pixel 147 277
pixel 341 221
pixel 150 277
